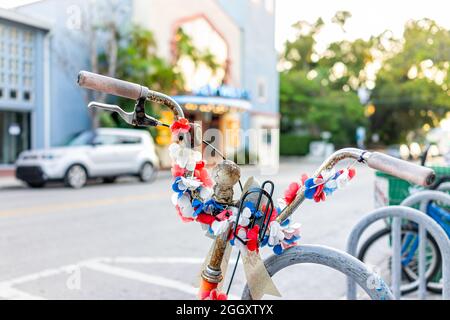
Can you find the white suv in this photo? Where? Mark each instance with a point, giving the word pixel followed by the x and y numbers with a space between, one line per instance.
pixel 103 153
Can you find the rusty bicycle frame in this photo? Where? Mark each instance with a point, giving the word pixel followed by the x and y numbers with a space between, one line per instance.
pixel 227 173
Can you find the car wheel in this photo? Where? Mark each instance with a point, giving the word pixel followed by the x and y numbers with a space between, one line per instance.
pixel 109 179
pixel 147 172
pixel 36 185
pixel 76 177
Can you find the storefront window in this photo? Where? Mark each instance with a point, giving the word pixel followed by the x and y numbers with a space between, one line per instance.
pixel 14 135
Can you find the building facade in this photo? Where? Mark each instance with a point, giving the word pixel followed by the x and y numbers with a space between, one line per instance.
pixel 242 94
pixel 23 100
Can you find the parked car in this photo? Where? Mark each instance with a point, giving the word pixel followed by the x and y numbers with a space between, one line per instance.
pixel 102 153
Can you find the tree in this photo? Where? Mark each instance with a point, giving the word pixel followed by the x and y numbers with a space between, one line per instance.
pixel 413 87
pixel 318 92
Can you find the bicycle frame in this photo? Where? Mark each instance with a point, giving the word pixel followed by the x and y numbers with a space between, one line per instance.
pixel 229 173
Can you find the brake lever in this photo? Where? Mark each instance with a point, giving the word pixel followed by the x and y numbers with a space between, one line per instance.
pixel 136 118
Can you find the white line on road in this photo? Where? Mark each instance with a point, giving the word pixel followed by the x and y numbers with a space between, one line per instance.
pixel 143 277
pixel 101 264
pixel 15 294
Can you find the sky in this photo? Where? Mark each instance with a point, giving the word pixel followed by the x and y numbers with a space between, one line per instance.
pixel 369 17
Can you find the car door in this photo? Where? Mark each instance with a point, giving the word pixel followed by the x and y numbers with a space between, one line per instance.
pixel 130 147
pixel 103 155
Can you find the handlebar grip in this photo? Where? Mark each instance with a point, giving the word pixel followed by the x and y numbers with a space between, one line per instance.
pixel 401 169
pixel 112 86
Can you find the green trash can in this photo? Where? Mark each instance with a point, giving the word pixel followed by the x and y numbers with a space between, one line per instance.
pixel 390 191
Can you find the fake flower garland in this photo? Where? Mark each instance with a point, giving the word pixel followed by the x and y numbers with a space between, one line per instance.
pixel 193 200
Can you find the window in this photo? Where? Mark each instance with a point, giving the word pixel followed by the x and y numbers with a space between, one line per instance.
pixel 27 96
pixel 105 139
pixel 261 90
pixel 17 70
pixel 129 140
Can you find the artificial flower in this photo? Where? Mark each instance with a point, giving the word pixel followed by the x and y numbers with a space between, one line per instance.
pixel 244 218
pixel 219 227
pixel 224 215
pixel 215 295
pixel 205 218
pixel 202 174
pixel 180 126
pixel 252 238
pixel 276 235
pixel 183 218
pixel 190 183
pixel 205 193
pixel 177 171
pixel 184 157
pixel 186 209
pixel 291 192
pixel 241 234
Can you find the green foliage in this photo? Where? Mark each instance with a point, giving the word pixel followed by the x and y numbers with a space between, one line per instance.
pixel 313 97
pixel 294 145
pixel 412 87
pixel 309 105
pixel 408 78
pixel 185 48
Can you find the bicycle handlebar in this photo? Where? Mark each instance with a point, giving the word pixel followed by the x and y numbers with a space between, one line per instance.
pixel 112 86
pixel 126 89
pixel 402 169
pixel 375 160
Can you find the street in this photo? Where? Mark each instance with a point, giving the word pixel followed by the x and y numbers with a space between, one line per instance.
pixel 125 241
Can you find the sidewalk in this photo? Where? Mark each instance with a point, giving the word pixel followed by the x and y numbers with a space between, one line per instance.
pixel 9 182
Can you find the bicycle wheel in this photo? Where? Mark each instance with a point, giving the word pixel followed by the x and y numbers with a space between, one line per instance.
pixel 376 250
pixel 335 259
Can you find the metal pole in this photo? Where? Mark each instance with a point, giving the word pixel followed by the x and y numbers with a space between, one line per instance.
pixel 396 257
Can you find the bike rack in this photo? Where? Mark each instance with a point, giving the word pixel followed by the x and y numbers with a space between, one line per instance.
pixel 338 260
pixel 424 197
pixel 425 224
pixel 444 187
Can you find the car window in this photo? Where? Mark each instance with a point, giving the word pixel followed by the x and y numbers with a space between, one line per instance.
pixel 106 139
pixel 83 139
pixel 129 140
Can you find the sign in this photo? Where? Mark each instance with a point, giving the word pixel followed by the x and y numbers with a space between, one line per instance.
pixel 14 129
pixel 223 91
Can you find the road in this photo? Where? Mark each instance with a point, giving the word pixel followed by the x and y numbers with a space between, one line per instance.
pixel 125 241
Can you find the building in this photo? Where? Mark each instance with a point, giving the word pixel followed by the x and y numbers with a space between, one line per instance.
pixel 23 94
pixel 243 94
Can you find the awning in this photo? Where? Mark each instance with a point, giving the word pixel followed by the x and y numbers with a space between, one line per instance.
pixel 199 101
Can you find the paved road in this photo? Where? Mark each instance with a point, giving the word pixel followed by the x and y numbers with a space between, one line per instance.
pixel 124 241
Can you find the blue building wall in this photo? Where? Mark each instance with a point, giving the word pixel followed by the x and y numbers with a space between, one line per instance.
pixel 259 57
pixel 68 54
pixel 21 80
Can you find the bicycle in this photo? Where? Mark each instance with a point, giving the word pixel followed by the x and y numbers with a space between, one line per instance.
pixel 252 220
pixel 410 243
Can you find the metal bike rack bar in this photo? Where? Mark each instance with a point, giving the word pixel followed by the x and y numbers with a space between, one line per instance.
pixel 424 197
pixel 398 213
pixel 444 187
pixel 338 260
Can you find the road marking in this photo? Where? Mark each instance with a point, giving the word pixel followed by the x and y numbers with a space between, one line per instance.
pixel 143 277
pixel 15 294
pixel 101 265
pixel 81 204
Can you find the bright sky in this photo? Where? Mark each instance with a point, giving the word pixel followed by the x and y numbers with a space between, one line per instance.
pixel 369 17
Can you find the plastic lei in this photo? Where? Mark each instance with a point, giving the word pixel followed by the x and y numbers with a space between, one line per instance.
pixel 193 201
